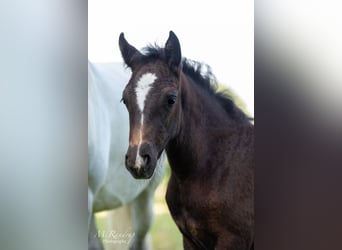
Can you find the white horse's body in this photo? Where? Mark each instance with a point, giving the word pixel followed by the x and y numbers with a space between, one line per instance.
pixel 110 185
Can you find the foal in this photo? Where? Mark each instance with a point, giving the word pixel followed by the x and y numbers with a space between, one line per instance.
pixel 208 140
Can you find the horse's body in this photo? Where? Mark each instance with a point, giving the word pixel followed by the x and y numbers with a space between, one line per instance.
pixel 211 201
pixel 208 140
pixel 109 183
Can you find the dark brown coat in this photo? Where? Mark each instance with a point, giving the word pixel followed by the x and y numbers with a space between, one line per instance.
pixel 208 140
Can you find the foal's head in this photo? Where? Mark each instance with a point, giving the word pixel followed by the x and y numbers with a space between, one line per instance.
pixel 152 100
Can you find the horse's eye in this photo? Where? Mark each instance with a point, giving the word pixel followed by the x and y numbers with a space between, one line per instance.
pixel 171 99
pixel 123 100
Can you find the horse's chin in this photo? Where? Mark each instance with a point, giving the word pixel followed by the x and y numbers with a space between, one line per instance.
pixel 145 174
pixel 143 177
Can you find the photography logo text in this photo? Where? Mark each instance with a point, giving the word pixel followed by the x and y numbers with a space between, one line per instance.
pixel 115 237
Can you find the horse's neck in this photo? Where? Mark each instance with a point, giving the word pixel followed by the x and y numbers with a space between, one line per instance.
pixel 201 117
pixel 107 117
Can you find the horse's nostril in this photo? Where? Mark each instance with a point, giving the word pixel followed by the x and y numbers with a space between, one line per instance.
pixel 126 159
pixel 146 159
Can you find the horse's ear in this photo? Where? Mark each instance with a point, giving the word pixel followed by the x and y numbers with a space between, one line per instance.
pixel 173 52
pixel 128 52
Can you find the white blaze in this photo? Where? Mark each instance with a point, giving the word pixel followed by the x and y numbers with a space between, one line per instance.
pixel 142 89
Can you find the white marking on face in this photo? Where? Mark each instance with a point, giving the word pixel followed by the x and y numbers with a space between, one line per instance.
pixel 142 89
pixel 144 85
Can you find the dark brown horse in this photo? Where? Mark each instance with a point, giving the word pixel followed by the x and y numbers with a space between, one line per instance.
pixel 173 105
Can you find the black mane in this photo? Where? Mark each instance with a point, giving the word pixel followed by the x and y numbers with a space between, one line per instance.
pixel 202 75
